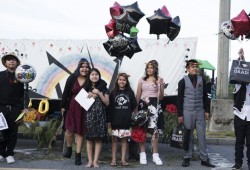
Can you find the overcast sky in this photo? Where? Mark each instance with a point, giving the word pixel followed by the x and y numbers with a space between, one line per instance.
pixel 82 19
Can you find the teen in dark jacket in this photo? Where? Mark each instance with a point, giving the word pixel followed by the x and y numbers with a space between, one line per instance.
pixel 74 114
pixel 11 105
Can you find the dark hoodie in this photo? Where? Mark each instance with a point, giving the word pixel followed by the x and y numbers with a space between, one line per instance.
pixel 122 104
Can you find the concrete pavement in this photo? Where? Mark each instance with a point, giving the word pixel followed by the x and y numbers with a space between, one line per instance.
pixel 27 157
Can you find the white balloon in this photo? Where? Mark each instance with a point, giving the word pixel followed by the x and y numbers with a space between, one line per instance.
pixel 25 73
pixel 227 28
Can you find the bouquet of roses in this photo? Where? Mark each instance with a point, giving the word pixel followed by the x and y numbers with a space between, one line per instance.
pixel 170 118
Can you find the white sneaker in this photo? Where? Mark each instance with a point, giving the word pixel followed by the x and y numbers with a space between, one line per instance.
pixel 10 159
pixel 1 158
pixel 156 159
pixel 143 158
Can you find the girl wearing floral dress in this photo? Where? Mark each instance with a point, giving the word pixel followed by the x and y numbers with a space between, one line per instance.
pixel 95 116
pixel 150 91
pixel 122 104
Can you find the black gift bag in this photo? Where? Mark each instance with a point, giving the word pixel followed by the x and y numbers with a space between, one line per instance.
pixel 239 72
pixel 179 137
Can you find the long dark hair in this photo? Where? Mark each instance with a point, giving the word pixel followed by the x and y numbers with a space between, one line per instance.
pixel 116 88
pixel 82 61
pixel 89 84
pixel 154 63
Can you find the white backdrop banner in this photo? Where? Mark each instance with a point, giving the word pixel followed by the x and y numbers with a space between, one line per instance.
pixel 54 60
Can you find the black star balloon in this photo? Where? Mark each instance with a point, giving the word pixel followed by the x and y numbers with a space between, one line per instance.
pixel 121 45
pixel 158 23
pixel 111 50
pixel 174 28
pixel 133 47
pixel 117 45
pixel 124 22
pixel 134 11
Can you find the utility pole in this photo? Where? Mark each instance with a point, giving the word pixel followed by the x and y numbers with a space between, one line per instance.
pixel 222 107
pixel 223 53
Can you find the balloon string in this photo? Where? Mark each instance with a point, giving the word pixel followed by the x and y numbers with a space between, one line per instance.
pixel 219 33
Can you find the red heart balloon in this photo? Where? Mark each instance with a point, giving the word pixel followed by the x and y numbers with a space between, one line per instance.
pixel 241 24
pixel 116 9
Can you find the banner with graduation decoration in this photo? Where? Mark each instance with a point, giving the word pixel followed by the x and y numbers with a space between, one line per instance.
pixel 55 60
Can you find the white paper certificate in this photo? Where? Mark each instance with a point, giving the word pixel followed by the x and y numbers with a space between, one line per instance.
pixel 83 100
pixel 3 122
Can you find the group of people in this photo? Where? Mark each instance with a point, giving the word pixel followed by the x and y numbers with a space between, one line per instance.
pixel 121 103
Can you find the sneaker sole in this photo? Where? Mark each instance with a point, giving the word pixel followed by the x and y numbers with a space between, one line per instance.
pixel 158 164
pixel 10 162
pixel 144 163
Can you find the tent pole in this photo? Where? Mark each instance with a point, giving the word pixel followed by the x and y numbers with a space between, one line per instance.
pixel 212 80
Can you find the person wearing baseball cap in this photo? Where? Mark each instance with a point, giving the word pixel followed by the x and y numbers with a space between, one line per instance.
pixel 11 105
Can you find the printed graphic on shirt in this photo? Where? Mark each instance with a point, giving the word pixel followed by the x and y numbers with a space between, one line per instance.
pixel 122 101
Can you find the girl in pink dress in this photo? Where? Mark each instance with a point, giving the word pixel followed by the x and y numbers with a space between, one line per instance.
pixel 150 91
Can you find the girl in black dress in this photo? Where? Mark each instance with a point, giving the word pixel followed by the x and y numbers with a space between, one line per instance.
pixel 95 116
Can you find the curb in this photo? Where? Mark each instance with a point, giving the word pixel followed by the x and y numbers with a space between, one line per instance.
pixel 221 141
pixel 210 141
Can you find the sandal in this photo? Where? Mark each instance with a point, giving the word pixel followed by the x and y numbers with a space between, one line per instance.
pixel 96 166
pixel 125 164
pixel 88 166
pixel 113 164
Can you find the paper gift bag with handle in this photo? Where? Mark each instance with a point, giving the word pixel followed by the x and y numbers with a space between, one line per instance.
pixel 239 72
pixel 179 137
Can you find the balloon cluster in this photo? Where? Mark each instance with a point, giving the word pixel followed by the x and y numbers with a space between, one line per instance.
pixel 162 23
pixel 237 26
pixel 124 20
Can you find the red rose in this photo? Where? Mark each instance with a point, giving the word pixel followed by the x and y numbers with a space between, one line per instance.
pixel 171 108
pixel 138 134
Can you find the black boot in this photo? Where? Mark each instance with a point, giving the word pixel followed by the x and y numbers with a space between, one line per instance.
pixel 78 159
pixel 68 152
pixel 207 163
pixel 185 162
